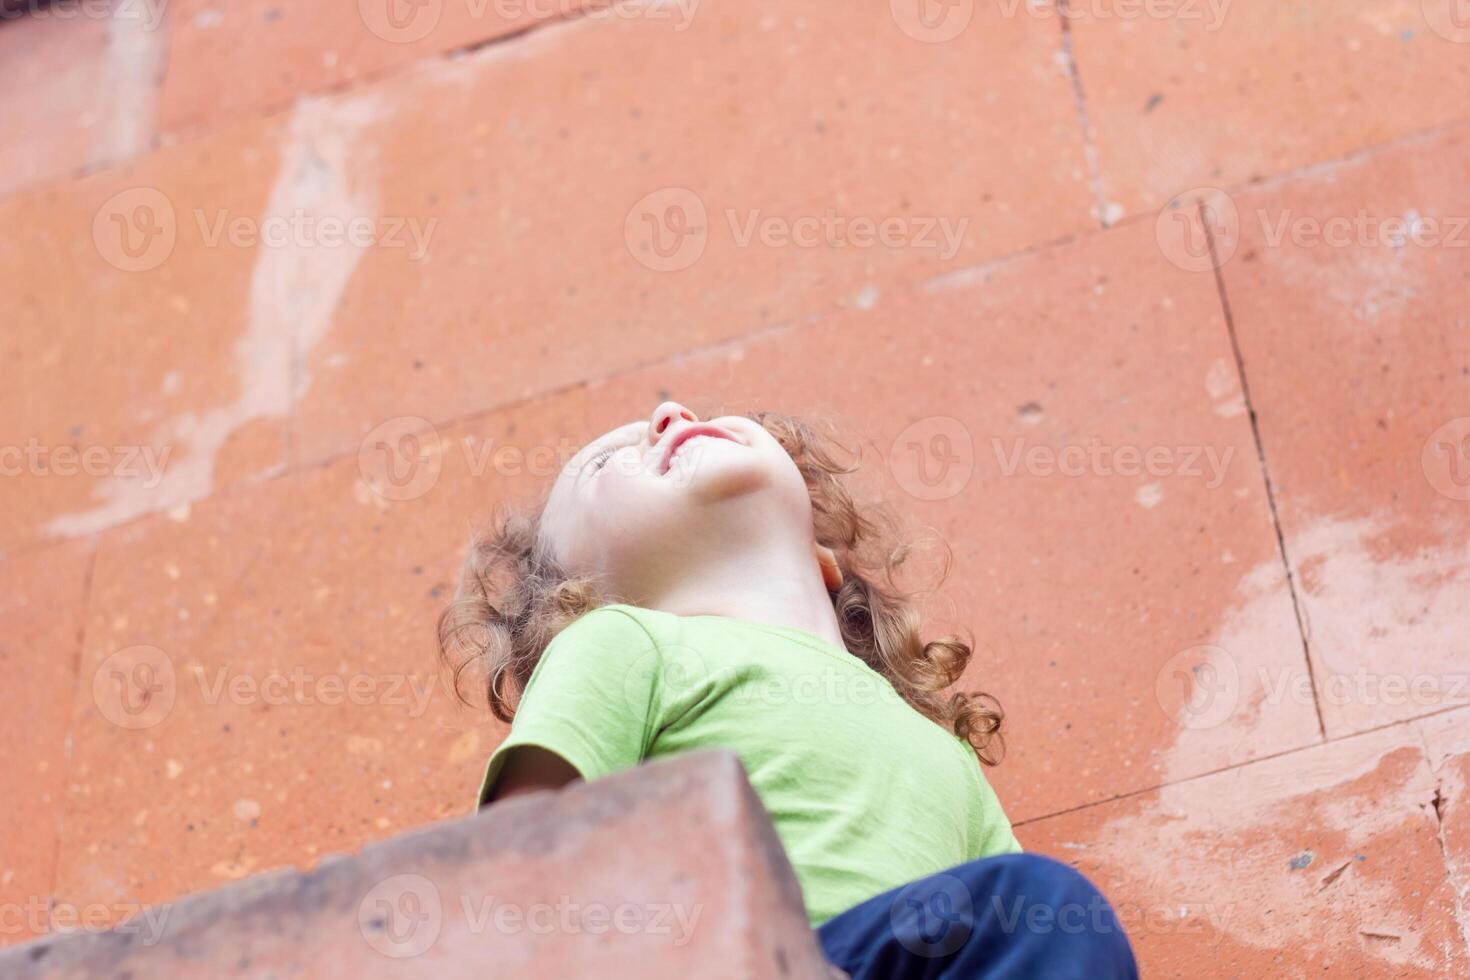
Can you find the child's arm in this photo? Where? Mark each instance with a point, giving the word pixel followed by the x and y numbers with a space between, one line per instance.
pixel 531 769
pixel 590 708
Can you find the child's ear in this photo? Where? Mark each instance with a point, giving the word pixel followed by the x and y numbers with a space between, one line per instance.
pixel 831 574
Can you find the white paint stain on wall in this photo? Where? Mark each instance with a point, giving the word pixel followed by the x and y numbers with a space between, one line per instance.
pixel 327 169
pixel 1228 857
pixel 1386 604
pixel 1223 387
pixel 1259 667
pixel 137 52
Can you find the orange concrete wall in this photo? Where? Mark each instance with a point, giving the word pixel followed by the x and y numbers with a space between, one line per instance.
pixel 1168 340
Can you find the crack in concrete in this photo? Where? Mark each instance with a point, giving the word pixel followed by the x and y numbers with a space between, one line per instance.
pixel 1460 896
pixel 366 80
pixel 1245 389
pixel 1335 874
pixel 564 17
pixel 67 741
pixel 1437 802
pixel 1437 805
pixel 1100 208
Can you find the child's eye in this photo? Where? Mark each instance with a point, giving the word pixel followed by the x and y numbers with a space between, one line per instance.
pixel 600 460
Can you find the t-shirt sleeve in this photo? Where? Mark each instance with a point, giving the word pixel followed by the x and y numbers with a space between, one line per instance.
pixel 593 698
pixel 990 829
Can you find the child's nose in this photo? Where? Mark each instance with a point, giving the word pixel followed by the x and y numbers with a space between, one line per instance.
pixel 664 416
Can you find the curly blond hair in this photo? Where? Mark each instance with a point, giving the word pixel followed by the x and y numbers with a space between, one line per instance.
pixel 514 597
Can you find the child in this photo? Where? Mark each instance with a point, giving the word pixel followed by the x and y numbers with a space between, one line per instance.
pixel 692 584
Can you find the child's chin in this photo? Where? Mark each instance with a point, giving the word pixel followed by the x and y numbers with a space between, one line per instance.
pixel 719 478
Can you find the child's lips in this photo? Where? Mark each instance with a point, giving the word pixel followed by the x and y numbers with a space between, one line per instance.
pixel 687 433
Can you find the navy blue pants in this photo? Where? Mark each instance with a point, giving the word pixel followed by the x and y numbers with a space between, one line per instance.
pixel 1014 916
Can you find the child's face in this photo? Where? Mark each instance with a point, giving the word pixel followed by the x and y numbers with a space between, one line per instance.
pixel 638 503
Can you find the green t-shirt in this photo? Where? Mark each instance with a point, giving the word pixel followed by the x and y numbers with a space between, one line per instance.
pixel 866 793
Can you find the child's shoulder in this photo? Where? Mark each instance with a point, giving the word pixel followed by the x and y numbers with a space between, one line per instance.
pixel 622 622
pixel 626 626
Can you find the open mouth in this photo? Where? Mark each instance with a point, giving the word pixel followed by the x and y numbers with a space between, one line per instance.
pixel 687 434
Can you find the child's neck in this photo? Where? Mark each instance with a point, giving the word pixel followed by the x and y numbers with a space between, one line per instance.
pixel 774 589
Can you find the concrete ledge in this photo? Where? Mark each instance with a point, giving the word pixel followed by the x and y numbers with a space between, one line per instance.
pixel 670 870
